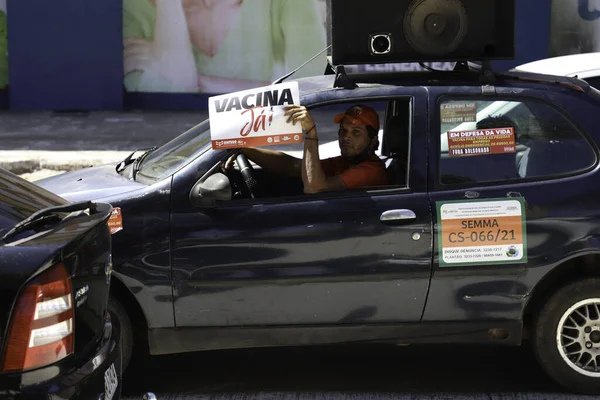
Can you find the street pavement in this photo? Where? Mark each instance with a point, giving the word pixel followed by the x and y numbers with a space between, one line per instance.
pixel 93 131
pixel 39 144
pixel 376 372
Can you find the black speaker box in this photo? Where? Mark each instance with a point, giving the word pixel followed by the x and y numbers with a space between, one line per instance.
pixel 392 31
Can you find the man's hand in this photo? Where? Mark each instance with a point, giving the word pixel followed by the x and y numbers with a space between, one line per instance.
pixel 300 114
pixel 229 164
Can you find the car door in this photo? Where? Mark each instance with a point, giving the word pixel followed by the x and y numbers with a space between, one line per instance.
pixel 505 201
pixel 338 258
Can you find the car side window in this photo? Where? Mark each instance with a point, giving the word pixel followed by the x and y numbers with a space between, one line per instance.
pixel 388 167
pixel 484 141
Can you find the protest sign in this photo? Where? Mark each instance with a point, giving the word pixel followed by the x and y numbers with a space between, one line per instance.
pixel 481 142
pixel 254 117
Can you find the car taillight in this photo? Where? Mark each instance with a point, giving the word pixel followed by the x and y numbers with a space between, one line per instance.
pixel 41 327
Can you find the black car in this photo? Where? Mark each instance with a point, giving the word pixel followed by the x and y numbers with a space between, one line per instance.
pixel 57 338
pixel 475 240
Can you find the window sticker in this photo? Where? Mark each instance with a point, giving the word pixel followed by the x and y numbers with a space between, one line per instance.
pixel 481 142
pixel 115 221
pixel 481 232
pixel 458 113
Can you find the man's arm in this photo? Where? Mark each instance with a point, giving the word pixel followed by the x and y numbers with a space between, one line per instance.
pixel 274 161
pixel 313 176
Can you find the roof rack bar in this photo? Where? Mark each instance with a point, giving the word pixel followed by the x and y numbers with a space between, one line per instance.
pixel 483 68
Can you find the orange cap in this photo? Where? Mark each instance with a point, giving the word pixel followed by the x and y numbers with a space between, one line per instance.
pixel 359 115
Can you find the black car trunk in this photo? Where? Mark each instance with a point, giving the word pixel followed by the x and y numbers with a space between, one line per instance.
pixel 82 244
pixel 77 238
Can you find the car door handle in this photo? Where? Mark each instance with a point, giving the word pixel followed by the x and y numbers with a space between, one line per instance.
pixel 398 216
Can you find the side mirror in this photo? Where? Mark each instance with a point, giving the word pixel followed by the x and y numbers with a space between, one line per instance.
pixel 206 193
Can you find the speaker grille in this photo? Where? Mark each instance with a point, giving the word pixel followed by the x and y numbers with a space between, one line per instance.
pixel 435 27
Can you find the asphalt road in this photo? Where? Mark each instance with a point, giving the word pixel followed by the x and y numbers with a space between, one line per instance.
pixel 347 372
pixel 94 131
pixel 112 131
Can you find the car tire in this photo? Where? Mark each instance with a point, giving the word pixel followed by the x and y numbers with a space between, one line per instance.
pixel 565 327
pixel 118 312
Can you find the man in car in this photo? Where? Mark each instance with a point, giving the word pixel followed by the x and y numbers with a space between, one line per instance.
pixel 357 167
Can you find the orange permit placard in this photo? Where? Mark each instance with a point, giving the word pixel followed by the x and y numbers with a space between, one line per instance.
pixel 481 142
pixel 482 232
pixel 115 221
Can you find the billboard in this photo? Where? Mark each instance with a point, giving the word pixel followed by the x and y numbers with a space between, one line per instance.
pixel 219 46
pixel 223 46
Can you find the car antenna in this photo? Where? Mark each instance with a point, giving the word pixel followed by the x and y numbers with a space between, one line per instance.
pixel 283 78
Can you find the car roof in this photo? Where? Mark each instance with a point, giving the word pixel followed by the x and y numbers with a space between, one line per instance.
pixel 583 65
pixel 513 78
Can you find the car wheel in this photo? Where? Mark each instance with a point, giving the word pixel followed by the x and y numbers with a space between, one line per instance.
pixel 567 336
pixel 118 312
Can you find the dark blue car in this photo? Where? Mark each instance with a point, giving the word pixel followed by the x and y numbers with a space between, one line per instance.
pixel 488 233
pixel 57 338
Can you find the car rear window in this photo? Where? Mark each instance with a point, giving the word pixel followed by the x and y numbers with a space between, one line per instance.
pixel 20 198
pixel 483 141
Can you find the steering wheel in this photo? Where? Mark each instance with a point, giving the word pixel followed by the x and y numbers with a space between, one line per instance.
pixel 247 172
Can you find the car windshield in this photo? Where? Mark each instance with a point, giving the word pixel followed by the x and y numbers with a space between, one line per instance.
pixel 168 158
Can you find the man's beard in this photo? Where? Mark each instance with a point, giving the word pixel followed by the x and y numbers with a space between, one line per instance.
pixel 358 158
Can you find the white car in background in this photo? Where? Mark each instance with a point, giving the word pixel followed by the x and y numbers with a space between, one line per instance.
pixel 585 66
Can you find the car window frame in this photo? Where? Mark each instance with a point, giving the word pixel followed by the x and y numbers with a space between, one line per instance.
pixel 436 129
pixel 348 193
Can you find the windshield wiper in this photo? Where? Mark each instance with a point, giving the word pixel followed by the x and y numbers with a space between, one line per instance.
pixel 137 164
pixel 129 159
pixel 50 213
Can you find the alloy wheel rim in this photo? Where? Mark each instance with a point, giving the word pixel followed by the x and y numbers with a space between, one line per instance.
pixel 578 337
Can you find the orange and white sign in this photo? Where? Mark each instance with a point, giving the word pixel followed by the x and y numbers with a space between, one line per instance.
pixel 254 117
pixel 115 221
pixel 481 142
pixel 481 232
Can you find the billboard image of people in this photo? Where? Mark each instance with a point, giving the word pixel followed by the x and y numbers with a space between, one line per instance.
pixel 574 27
pixel 219 46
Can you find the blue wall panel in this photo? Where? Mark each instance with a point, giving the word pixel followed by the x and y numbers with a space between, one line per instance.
pixel 532 32
pixel 65 54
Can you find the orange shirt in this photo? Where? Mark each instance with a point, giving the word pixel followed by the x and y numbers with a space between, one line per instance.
pixel 367 173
